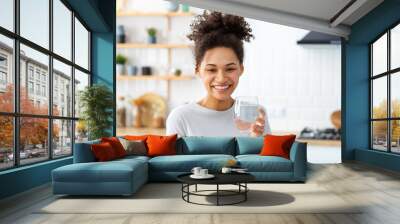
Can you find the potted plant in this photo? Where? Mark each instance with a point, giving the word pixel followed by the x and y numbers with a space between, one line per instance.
pixel 185 8
pixel 152 32
pixel 120 61
pixel 97 104
pixel 178 72
pixel 175 71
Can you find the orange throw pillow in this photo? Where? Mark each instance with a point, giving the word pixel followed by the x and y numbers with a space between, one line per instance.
pixel 103 152
pixel 135 137
pixel 275 145
pixel 161 145
pixel 116 145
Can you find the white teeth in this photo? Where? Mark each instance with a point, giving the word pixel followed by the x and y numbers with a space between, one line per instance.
pixel 221 87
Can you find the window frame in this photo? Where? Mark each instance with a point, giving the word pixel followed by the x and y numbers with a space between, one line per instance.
pixel 16 115
pixel 3 74
pixel 388 74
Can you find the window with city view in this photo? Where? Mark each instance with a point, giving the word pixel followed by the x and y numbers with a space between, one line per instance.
pixel 44 64
pixel 385 91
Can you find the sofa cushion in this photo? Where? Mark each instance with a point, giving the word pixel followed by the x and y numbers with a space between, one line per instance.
pixel 134 147
pixel 159 145
pixel 257 163
pixel 131 158
pixel 277 145
pixel 196 145
pixel 249 145
pixel 135 137
pixel 116 145
pixel 103 152
pixel 185 163
pixel 112 171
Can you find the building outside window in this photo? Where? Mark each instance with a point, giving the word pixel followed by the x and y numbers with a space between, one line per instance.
pixel 3 78
pixel 44 77
pixel 30 72
pixel 3 61
pixel 37 74
pixel 30 87
pixel 3 72
pixel 43 90
pixel 38 89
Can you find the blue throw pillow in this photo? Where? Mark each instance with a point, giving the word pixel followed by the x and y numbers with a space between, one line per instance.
pixel 195 145
pixel 249 145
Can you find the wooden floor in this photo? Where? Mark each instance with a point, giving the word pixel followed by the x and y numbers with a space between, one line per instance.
pixel 378 188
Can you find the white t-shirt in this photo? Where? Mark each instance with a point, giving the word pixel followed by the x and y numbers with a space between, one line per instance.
pixel 195 120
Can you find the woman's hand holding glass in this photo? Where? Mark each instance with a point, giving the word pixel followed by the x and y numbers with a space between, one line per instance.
pixel 258 127
pixel 249 116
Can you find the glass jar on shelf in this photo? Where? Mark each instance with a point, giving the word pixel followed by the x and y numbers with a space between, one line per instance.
pixel 121 112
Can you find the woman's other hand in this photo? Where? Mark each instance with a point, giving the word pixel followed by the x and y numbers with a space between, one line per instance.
pixel 257 128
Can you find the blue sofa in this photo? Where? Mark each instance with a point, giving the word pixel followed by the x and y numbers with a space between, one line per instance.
pixel 125 176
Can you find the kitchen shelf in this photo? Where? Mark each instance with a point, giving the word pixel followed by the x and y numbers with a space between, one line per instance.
pixel 167 78
pixel 144 45
pixel 167 14
pixel 169 47
pixel 155 77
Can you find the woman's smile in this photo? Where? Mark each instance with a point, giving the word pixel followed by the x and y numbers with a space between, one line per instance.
pixel 220 87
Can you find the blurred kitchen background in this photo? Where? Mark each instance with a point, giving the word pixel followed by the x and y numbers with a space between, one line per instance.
pixel 295 73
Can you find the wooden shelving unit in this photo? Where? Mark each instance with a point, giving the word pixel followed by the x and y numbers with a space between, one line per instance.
pixel 169 47
pixel 145 45
pixel 167 14
pixel 156 77
pixel 140 131
pixel 166 78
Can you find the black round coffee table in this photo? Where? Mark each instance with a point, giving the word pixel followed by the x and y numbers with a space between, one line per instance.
pixel 238 179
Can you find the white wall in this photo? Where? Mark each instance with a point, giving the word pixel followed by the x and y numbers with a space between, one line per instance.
pixel 298 84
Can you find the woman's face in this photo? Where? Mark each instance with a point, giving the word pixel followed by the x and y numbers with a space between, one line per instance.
pixel 220 70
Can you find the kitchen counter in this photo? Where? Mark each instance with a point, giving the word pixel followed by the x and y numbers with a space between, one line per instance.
pixel 321 142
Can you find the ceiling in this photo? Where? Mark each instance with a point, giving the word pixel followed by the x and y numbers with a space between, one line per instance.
pixel 333 17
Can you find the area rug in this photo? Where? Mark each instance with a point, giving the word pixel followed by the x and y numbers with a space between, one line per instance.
pixel 166 198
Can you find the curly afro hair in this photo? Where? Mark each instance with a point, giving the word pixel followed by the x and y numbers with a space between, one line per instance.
pixel 215 29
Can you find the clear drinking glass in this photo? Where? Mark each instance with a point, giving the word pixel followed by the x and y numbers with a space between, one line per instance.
pixel 246 112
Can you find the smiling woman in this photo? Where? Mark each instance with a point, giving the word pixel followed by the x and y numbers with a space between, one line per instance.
pixel 219 57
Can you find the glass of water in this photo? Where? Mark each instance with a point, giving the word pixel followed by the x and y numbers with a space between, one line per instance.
pixel 246 112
